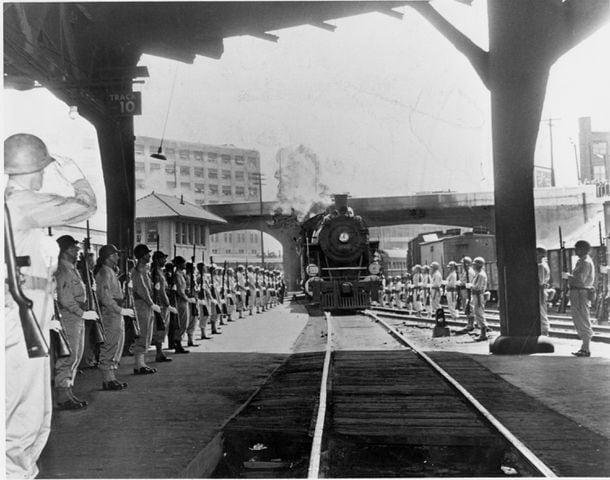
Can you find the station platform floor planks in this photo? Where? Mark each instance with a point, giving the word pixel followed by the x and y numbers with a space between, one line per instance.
pixel 169 424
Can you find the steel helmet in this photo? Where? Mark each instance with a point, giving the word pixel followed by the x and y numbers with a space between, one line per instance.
pixel 479 261
pixel 25 153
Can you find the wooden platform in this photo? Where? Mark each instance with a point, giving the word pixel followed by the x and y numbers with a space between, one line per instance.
pixel 568 448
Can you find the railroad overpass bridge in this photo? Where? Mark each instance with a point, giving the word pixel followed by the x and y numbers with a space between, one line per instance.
pixel 568 207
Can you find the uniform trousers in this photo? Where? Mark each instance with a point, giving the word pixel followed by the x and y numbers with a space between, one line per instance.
pixel 28 399
pixel 183 318
pixel 435 300
pixel 112 348
pixel 451 303
pixel 145 318
pixel 66 367
pixel 465 294
pixel 193 320
pixel 158 333
pixel 478 309
pixel 579 306
pixel 544 317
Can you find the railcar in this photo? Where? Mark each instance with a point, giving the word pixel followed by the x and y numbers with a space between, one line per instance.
pixel 340 266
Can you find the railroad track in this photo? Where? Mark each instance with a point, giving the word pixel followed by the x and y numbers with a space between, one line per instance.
pixel 561 326
pixel 386 410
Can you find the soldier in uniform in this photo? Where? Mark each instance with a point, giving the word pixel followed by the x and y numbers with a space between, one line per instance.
pixel 160 298
pixel 581 282
pixel 182 301
pixel 465 284
pixel 110 297
pixel 144 306
pixel 71 299
pixel 251 289
pixel 479 285
pixel 436 282
pixel 28 399
pixel 544 277
pixel 451 289
pixel 240 290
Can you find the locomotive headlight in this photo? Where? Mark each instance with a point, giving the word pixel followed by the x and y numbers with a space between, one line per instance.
pixel 344 237
pixel 374 268
pixel 312 269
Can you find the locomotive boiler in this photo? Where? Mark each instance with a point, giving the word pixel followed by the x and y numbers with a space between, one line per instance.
pixel 339 264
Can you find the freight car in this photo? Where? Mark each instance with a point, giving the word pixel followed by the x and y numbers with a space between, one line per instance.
pixel 340 266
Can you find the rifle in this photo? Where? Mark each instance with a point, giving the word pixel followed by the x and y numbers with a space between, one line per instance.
pixel 564 268
pixel 34 339
pixel 222 290
pixel 59 341
pixel 128 301
pixel 99 335
pixel 601 309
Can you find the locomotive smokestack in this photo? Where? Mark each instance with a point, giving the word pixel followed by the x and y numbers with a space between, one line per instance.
pixel 340 201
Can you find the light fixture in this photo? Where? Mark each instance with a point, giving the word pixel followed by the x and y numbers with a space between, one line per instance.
pixel 159 155
pixel 73 113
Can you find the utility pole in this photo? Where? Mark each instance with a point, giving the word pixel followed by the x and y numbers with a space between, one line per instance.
pixel 550 124
pixel 259 176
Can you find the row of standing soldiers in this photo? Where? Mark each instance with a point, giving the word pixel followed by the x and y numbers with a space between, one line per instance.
pixel 151 300
pixel 422 290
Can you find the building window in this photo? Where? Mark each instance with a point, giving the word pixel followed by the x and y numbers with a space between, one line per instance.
pixel 227 191
pixel 140 183
pixel 213 189
pixel 198 155
pixel 240 191
pixel 239 176
pixel 254 251
pixel 170 169
pixel 185 185
pixel 199 188
pixel 252 161
pixel 170 185
pixel 170 152
pixel 225 237
pixel 226 159
pixel 252 191
pixel 228 250
pixel 140 167
pixel 151 232
pixel 212 157
pixel 185 171
pixel 213 174
pixel 599 148
pixel 214 250
pixel 198 172
pixel 239 160
pixel 154 167
pixel 241 250
pixel 226 174
pixel 184 154
pixel 230 237
pixel 152 149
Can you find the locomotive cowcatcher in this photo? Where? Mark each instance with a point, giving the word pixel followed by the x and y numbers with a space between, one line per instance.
pixel 339 264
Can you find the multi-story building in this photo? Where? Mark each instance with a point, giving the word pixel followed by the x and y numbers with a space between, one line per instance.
pixel 594 159
pixel 203 174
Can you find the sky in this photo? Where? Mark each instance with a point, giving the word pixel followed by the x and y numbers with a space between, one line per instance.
pixel 388 107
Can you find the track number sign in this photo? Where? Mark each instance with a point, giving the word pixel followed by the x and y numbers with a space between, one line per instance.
pixel 125 104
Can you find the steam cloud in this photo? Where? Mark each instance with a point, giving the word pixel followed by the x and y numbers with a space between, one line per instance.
pixel 300 190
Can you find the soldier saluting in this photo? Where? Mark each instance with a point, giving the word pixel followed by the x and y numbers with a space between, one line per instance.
pixel 28 403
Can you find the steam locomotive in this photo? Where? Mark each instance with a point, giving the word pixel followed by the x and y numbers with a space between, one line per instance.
pixel 340 266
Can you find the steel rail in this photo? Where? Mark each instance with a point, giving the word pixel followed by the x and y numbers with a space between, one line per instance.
pixel 316 446
pixel 505 432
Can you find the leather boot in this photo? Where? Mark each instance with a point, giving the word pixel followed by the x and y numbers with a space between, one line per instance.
pixel 179 348
pixel 75 398
pixel 63 400
pixel 190 342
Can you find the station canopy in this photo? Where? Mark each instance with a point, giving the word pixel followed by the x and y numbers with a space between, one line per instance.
pixel 85 44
